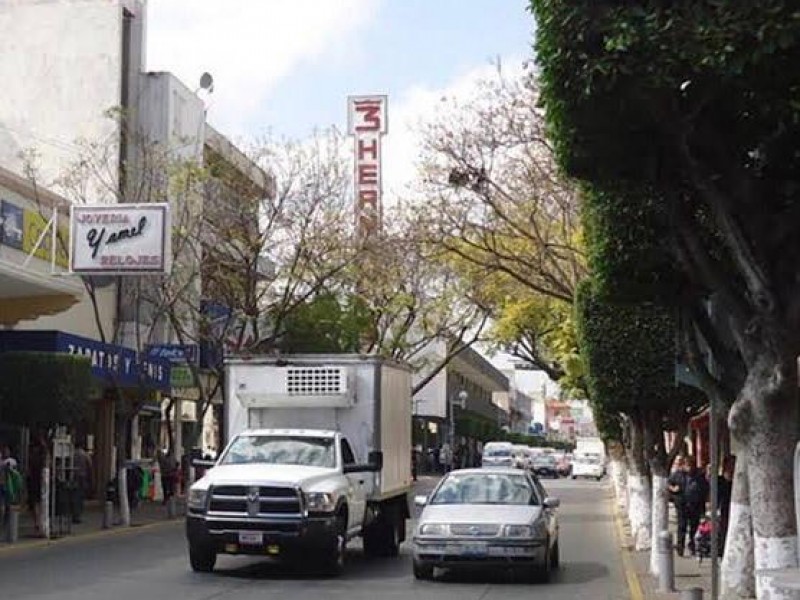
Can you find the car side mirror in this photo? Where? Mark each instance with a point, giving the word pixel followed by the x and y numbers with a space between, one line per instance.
pixel 550 502
pixel 420 500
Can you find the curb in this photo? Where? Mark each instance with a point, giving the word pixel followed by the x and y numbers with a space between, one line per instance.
pixel 631 576
pixel 19 548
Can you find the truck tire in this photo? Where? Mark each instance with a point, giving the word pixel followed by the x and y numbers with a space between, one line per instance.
pixel 334 557
pixel 382 537
pixel 202 559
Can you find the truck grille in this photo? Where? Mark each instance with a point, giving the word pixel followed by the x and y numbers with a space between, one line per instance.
pixel 254 502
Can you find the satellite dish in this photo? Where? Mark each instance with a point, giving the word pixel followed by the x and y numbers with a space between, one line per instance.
pixel 207 82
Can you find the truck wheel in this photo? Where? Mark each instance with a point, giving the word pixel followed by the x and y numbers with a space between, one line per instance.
pixel 334 558
pixel 422 571
pixel 202 559
pixel 382 538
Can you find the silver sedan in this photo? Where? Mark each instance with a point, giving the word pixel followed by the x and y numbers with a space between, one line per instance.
pixel 489 517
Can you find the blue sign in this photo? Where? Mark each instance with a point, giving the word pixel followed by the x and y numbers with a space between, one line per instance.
pixel 109 362
pixel 174 352
pixel 11 222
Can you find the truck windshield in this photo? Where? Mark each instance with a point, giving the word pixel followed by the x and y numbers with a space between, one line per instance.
pixel 282 450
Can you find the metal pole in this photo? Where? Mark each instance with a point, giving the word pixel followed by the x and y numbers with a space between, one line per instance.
pixel 666 563
pixel 712 432
pixel 452 437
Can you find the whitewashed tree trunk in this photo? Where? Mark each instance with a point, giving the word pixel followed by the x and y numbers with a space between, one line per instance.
pixel 765 416
pixel 737 572
pixel 639 510
pixel 619 478
pixel 660 517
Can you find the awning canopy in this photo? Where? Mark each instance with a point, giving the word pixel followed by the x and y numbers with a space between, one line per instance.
pixel 26 293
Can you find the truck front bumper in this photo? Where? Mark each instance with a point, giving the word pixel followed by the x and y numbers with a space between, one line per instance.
pixel 263 538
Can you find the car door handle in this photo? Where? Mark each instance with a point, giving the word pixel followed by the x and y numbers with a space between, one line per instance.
pixel 360 482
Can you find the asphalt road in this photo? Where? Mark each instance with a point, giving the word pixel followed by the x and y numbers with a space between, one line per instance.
pixel 152 564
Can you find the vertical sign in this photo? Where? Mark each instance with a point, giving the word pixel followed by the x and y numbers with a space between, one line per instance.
pixel 367 123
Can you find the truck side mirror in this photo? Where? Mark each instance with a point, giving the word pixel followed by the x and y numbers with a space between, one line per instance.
pixel 375 459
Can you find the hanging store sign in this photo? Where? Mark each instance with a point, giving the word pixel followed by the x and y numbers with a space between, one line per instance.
pixel 367 122
pixel 120 239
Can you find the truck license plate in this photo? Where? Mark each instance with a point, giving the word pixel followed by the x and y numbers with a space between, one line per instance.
pixel 251 538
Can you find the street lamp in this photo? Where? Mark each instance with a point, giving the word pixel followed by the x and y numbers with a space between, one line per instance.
pixel 462 403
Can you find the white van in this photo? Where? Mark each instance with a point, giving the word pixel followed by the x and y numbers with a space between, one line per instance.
pixel 588 465
pixel 498 454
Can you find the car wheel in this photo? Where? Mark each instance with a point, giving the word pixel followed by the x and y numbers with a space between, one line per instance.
pixel 202 559
pixel 382 537
pixel 599 478
pixel 555 557
pixel 422 571
pixel 542 572
pixel 574 476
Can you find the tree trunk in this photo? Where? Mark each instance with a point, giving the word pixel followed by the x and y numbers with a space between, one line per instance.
pixel 619 474
pixel 656 455
pixel 737 573
pixel 765 418
pixel 639 510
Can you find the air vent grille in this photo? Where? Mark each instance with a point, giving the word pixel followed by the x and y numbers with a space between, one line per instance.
pixel 315 381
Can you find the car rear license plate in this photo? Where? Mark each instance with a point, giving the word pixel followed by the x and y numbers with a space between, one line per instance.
pixel 251 538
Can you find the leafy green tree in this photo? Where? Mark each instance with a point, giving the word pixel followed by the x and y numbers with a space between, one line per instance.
pixel 696 102
pixel 44 389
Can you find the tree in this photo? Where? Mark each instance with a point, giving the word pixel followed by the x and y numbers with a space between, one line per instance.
pixel 697 102
pixel 495 205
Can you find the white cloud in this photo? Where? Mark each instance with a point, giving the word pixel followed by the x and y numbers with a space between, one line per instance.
pixel 247 45
pixel 414 106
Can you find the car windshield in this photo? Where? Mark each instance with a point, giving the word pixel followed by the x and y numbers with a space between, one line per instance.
pixel 497 452
pixel 546 460
pixel 281 450
pixel 484 488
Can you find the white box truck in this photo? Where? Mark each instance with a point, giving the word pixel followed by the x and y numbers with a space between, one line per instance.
pixel 318 453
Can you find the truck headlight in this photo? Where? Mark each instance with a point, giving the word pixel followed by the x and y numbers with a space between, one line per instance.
pixel 434 529
pixel 197 499
pixel 320 502
pixel 518 531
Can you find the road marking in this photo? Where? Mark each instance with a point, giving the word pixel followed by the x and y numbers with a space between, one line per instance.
pixel 634 585
pixel 94 535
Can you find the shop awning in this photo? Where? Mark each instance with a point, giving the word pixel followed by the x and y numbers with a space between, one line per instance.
pixel 26 293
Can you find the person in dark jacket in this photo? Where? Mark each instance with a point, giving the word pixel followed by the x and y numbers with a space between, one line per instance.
pixel 689 490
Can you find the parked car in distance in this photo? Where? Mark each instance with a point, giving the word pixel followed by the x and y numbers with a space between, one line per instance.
pixel 545 465
pixel 497 454
pixel 492 518
pixel 522 457
pixel 564 465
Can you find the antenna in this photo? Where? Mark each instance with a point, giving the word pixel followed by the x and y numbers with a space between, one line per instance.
pixel 207 82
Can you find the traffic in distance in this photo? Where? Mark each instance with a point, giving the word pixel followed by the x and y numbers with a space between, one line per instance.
pixel 316 459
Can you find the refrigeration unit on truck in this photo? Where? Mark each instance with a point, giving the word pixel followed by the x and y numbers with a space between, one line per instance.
pixel 318 453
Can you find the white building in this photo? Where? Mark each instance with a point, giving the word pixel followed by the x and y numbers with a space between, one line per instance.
pixel 73 73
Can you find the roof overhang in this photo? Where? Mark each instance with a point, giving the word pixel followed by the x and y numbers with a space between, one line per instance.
pixel 28 294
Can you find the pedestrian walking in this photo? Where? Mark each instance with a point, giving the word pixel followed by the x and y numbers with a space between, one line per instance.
pixel 37 461
pixel 689 490
pixel 83 480
pixel 724 491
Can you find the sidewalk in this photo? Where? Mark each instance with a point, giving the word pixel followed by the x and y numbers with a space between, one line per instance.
pixel 689 572
pixel 146 514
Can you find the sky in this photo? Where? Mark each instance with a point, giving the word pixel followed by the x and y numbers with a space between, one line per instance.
pixel 287 66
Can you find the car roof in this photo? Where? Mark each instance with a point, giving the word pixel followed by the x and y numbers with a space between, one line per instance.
pixel 484 470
